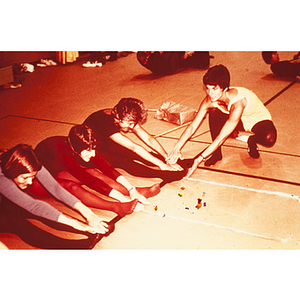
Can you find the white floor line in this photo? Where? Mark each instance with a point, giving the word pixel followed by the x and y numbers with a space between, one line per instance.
pixel 284 240
pixel 282 194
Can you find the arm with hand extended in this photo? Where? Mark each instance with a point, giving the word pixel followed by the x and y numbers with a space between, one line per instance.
pixel 176 154
pixel 139 150
pixel 235 115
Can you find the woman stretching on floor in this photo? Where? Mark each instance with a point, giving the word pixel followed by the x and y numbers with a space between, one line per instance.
pixel 74 162
pixel 18 169
pixel 112 126
pixel 229 109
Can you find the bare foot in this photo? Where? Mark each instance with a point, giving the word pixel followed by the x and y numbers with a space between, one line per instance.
pixel 126 208
pixel 149 192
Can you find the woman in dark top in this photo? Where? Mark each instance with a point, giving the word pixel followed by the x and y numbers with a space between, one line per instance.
pixel 110 127
pixel 74 162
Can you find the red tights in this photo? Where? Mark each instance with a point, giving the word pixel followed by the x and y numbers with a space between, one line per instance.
pixel 75 187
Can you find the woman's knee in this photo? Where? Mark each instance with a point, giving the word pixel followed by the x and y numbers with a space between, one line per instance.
pixel 69 185
pixel 271 138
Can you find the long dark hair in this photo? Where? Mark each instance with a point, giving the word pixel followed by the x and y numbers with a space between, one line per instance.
pixel 19 160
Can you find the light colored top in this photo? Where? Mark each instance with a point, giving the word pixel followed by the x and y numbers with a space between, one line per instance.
pixel 254 112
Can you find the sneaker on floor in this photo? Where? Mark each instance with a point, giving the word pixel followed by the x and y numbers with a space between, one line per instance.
pixel 48 62
pixel 252 149
pixel 93 64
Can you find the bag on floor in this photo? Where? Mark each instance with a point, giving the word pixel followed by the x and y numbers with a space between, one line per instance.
pixel 175 113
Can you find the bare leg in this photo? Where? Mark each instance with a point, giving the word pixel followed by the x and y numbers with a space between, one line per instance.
pixel 147 192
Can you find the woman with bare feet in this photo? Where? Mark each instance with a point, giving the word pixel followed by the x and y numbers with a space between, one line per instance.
pixel 74 162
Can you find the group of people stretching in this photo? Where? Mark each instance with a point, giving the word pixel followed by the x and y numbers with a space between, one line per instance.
pixel 61 166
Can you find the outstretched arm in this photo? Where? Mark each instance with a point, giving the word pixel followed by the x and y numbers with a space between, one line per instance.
pixel 153 143
pixel 139 150
pixel 92 219
pixel 175 154
pixel 235 115
pixel 48 181
pixel 41 208
pixel 149 140
pixel 64 219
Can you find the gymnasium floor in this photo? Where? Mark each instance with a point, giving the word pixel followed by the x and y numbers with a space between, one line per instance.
pixel 250 204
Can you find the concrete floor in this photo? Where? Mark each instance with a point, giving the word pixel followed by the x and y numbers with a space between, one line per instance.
pixel 250 204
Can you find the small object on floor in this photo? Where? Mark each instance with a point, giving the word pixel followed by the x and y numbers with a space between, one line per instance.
pixel 180 195
pixel 12 86
pixel 48 62
pixel 199 205
pixel 93 64
pixel 187 208
pixel 204 204
pixel 25 67
pixel 182 188
pixel 155 208
pixel 163 215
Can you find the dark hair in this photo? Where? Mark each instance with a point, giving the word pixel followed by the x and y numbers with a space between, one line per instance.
pixel 130 109
pixel 81 137
pixel 19 160
pixel 267 56
pixel 217 75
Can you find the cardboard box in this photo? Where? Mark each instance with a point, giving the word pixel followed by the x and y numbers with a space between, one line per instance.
pixel 175 113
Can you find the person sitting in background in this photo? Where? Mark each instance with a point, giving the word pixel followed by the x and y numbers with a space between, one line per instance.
pixel 74 162
pixel 19 169
pixel 111 126
pixel 99 58
pixel 229 109
pixel 170 62
pixel 285 68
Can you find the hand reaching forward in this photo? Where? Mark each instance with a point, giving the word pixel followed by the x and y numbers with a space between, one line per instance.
pixel 196 163
pixel 174 156
pixel 169 167
pixel 94 221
